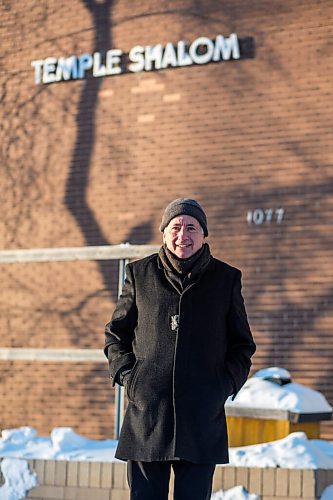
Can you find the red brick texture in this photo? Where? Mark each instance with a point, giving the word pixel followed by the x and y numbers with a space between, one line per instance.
pixel 95 161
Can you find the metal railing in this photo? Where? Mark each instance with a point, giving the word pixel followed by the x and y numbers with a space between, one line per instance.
pixel 123 253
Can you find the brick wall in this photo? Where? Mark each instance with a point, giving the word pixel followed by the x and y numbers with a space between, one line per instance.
pixel 95 161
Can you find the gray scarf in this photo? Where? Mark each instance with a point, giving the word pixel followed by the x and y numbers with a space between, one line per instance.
pixel 182 272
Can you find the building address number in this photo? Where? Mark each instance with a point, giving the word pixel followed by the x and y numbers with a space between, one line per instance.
pixel 268 215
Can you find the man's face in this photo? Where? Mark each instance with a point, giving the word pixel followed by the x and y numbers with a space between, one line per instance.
pixel 183 236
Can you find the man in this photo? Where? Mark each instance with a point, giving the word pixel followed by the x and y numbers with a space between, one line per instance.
pixel 180 342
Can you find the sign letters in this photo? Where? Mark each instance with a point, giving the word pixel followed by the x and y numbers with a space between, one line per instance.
pixel 152 57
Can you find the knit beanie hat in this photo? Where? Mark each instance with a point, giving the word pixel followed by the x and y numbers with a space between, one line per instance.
pixel 184 206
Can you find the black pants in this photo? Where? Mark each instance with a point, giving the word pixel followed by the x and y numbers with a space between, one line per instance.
pixel 150 480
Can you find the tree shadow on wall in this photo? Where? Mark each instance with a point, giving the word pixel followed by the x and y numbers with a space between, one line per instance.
pixel 78 179
pixel 76 199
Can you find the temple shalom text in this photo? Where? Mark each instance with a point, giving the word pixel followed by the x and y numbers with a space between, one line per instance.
pixel 201 51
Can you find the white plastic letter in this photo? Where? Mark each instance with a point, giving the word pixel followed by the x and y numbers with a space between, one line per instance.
pixel 113 59
pixel 38 65
pixel 85 63
pixel 183 57
pixel 49 70
pixel 226 47
pixel 169 56
pixel 66 68
pixel 153 55
pixel 137 58
pixel 98 68
pixel 201 58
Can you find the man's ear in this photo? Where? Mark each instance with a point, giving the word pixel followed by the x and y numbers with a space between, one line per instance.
pixel 163 237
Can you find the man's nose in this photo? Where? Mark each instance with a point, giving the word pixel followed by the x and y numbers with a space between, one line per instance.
pixel 182 231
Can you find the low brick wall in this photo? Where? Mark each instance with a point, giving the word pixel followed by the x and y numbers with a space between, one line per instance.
pixel 273 483
pixel 107 481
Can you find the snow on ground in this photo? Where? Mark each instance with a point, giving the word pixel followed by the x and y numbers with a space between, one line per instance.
pixel 236 493
pixel 293 451
pixel 63 444
pixel 18 479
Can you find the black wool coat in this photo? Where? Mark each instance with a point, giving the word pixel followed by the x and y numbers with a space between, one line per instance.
pixel 189 352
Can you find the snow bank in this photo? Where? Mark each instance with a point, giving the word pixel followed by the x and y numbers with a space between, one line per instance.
pixel 18 479
pixel 19 436
pixel 295 451
pixel 63 444
pixel 236 493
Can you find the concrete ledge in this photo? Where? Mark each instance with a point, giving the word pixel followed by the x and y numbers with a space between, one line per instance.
pixel 72 480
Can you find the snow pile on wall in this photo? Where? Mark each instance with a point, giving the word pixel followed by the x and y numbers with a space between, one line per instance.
pixel 18 479
pixel 260 391
pixel 293 451
pixel 63 444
